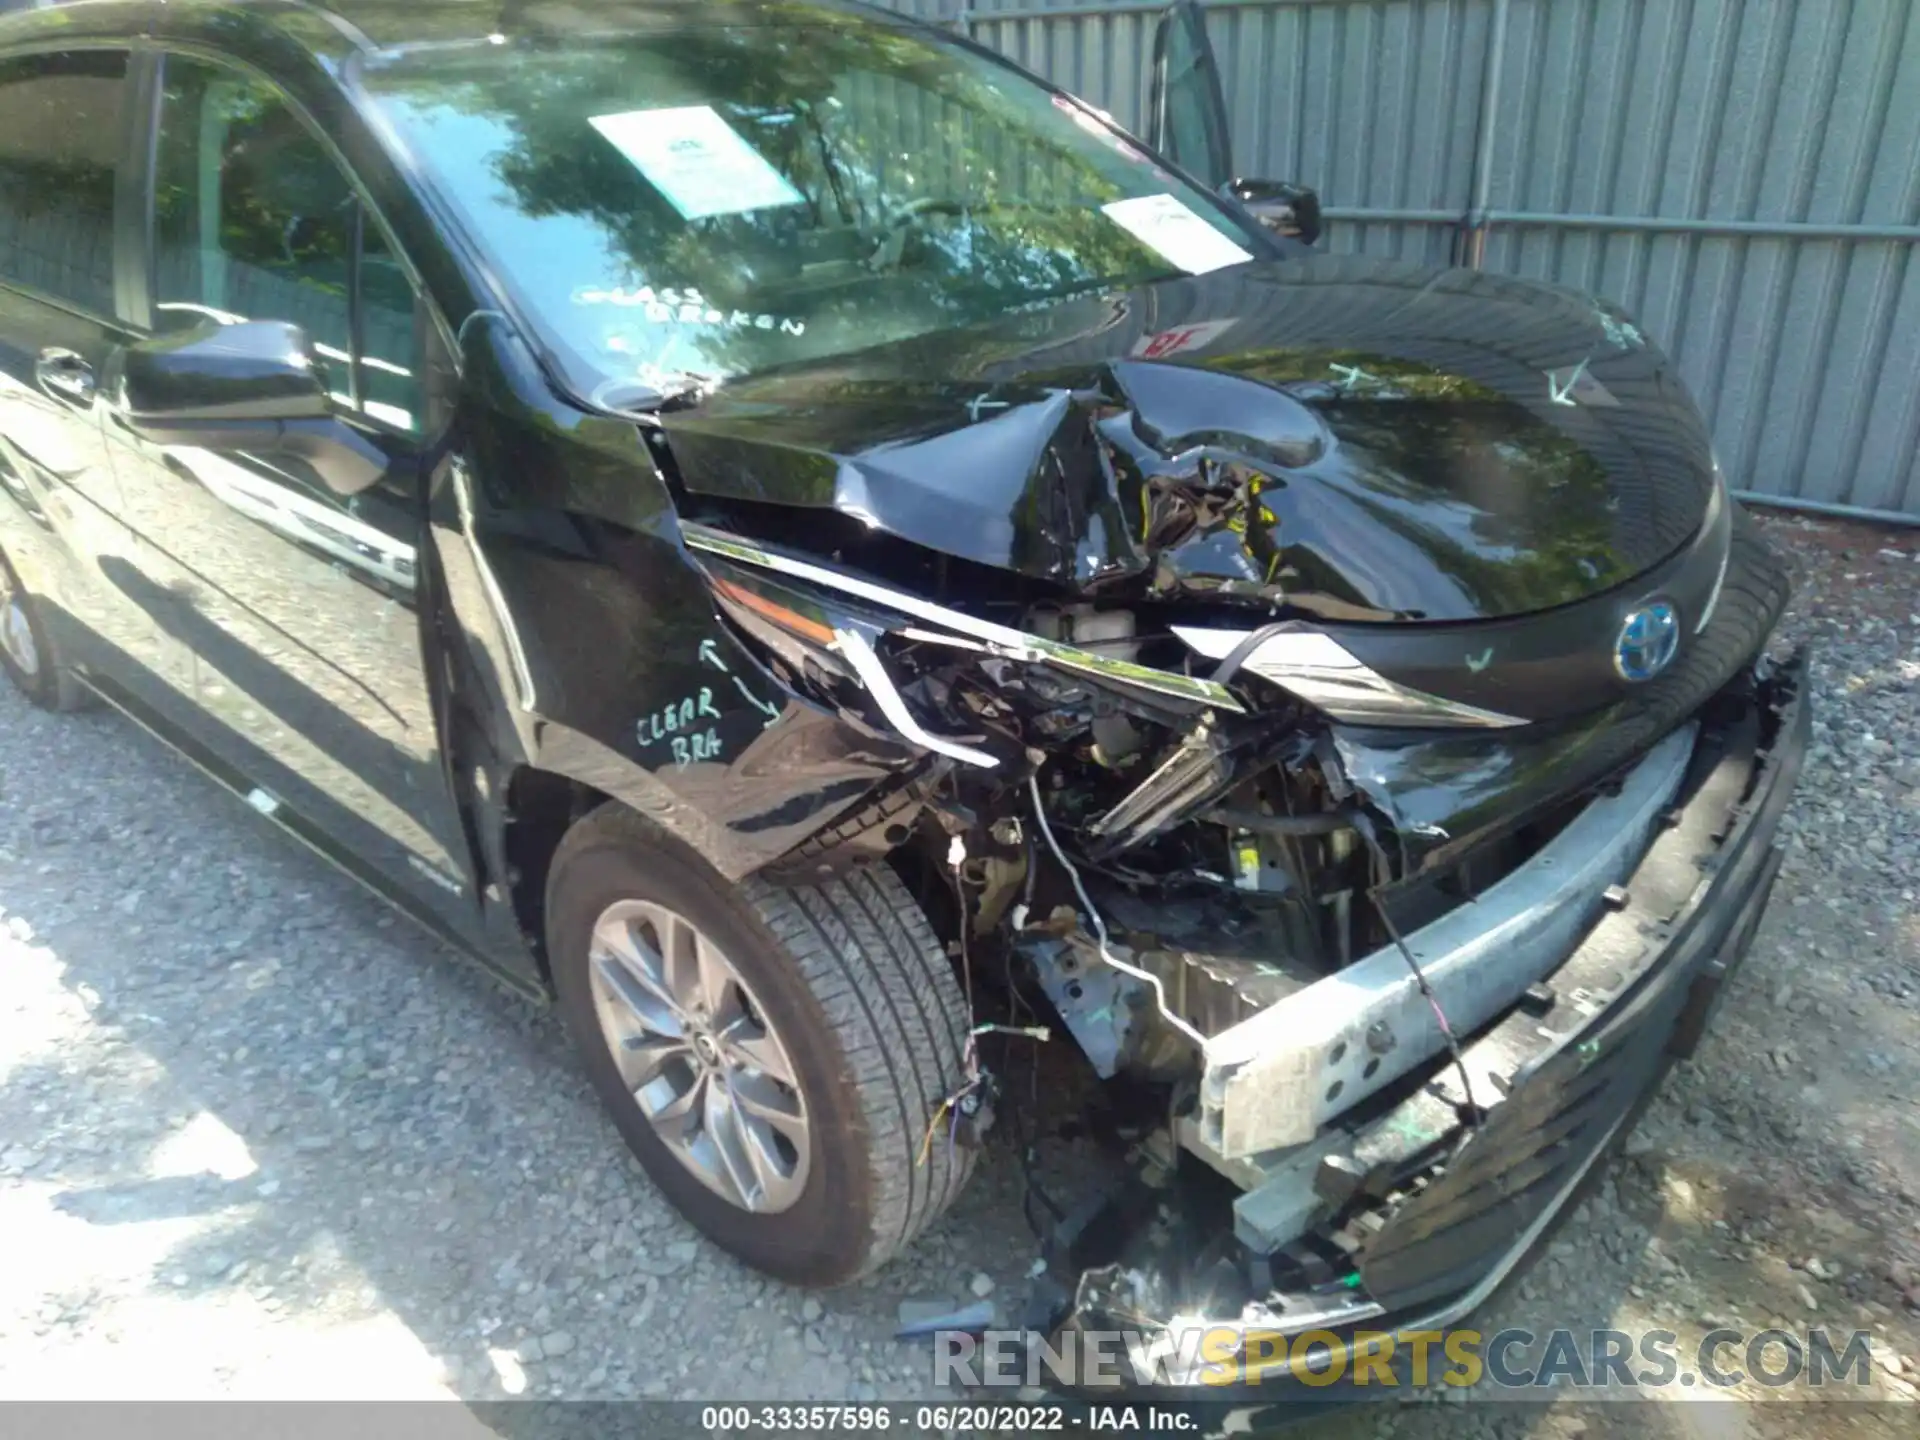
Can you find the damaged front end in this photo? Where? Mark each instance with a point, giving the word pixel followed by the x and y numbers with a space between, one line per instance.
pixel 1376 841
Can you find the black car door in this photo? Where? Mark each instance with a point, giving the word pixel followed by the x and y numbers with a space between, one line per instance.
pixel 64 118
pixel 298 605
pixel 1186 108
pixel 1187 122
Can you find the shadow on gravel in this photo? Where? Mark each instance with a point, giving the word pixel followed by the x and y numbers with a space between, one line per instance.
pixel 132 1201
pixel 320 1115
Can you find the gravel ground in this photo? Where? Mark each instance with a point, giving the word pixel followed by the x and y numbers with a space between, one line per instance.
pixel 260 1137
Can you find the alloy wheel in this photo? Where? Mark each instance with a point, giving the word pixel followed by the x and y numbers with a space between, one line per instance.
pixel 697 1053
pixel 16 630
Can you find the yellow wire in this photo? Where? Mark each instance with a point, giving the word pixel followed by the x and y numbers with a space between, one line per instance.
pixel 926 1141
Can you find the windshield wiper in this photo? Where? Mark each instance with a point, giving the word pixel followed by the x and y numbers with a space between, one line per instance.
pixel 623 395
pixel 827 163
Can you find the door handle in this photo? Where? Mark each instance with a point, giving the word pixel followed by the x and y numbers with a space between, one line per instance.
pixel 63 374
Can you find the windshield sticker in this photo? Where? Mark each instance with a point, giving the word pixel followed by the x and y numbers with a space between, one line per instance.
pixel 668 306
pixel 1175 233
pixel 698 161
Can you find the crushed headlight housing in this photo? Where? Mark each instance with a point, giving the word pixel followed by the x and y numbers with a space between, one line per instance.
pixel 825 625
pixel 1318 669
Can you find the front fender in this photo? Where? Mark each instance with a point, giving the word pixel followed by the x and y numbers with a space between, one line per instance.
pixel 594 640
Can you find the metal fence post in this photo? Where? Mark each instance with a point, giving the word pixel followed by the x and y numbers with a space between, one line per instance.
pixel 1470 240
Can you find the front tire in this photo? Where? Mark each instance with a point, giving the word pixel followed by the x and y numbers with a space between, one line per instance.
pixel 27 652
pixel 774 1057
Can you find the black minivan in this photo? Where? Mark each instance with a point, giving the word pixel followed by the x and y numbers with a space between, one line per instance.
pixel 772 526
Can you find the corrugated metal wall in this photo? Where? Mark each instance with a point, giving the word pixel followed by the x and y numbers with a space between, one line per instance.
pixel 1743 175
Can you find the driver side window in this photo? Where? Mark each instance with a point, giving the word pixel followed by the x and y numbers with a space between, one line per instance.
pixel 253 220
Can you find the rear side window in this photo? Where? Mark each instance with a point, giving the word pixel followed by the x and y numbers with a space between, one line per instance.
pixel 60 135
pixel 253 220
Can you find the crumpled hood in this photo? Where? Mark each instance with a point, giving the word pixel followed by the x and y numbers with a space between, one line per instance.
pixel 1355 439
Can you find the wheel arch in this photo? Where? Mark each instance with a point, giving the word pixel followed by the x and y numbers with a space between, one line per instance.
pixel 541 803
pixel 539 807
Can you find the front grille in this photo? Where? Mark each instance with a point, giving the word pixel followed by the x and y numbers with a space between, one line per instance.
pixel 1572 1073
pixel 1446 814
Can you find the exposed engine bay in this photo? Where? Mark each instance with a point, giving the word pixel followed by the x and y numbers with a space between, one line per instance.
pixel 1213 883
pixel 1296 732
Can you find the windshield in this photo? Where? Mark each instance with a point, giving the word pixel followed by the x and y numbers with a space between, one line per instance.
pixel 712 201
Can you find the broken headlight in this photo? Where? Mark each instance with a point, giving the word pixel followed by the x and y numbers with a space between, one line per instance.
pixel 827 625
pixel 1321 671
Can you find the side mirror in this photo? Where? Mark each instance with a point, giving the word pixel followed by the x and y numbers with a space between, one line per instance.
pixel 1284 208
pixel 255 370
pixel 256 386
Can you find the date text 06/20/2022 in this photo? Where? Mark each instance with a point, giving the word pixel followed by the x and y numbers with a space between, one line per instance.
pixel 959 1418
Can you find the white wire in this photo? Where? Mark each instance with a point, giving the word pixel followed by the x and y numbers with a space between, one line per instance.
pixel 1099 925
